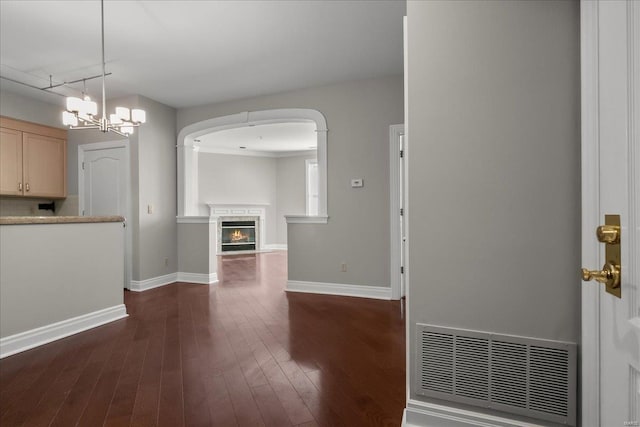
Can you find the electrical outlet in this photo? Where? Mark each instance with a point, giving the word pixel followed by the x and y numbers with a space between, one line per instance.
pixel 343 267
pixel 166 262
pixel 149 209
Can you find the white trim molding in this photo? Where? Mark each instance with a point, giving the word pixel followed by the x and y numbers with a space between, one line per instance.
pixel 195 220
pixel 304 219
pixel 45 334
pixel 362 291
pixel 590 148
pixel 419 414
pixel 395 203
pixel 167 279
pixel 154 282
pixel 253 153
pixel 198 278
pixel 276 247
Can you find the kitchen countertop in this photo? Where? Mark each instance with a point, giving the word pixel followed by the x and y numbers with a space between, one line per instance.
pixel 18 220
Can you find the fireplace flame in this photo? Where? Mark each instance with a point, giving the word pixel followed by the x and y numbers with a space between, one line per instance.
pixel 237 236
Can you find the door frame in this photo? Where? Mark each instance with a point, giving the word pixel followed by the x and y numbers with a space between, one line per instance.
pixel 128 224
pixel 395 233
pixel 590 335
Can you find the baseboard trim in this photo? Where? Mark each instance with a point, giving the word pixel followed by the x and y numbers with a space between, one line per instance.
pixel 276 247
pixel 154 282
pixel 45 334
pixel 422 414
pixel 199 278
pixel 167 279
pixel 375 292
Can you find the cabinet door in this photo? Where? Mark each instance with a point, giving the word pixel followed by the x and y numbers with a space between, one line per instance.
pixel 11 162
pixel 45 166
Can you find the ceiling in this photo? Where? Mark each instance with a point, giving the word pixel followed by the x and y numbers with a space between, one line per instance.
pixel 270 140
pixel 189 53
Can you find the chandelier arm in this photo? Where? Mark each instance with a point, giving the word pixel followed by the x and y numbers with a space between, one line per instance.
pixel 115 130
pixel 82 127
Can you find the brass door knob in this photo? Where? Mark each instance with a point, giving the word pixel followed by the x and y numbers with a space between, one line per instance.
pixel 609 275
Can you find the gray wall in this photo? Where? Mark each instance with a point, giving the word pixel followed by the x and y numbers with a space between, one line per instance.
pixel 358 115
pixel 292 192
pixel 156 160
pixel 80 269
pixel 32 110
pixel 224 178
pixel 494 167
pixel 195 248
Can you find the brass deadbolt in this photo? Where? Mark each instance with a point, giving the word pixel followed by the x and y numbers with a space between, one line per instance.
pixel 609 234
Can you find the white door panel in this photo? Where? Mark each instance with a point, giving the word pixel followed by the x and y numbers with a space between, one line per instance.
pixel 103 194
pixel 611 178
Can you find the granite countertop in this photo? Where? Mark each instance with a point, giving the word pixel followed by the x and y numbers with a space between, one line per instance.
pixel 14 220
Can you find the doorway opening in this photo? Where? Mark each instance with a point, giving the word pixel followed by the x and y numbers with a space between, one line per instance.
pixel 104 187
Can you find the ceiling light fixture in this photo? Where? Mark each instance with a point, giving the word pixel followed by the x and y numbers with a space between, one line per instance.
pixel 82 112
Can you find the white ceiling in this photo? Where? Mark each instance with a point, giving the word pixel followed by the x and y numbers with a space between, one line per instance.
pixel 272 140
pixel 188 53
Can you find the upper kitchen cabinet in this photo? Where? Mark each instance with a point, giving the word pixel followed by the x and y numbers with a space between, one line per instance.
pixel 33 160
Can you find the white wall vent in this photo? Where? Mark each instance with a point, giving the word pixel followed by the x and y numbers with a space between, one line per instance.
pixel 520 375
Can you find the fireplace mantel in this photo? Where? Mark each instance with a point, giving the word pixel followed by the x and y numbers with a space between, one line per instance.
pixel 237 209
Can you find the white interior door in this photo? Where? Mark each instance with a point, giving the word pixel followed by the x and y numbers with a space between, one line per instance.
pixel 611 183
pixel 103 181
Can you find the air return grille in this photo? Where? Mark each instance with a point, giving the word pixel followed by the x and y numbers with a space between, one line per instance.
pixel 524 376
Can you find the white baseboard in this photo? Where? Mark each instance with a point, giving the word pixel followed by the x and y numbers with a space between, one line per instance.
pixel 276 247
pixel 200 278
pixel 376 292
pixel 422 414
pixel 154 282
pixel 167 279
pixel 45 334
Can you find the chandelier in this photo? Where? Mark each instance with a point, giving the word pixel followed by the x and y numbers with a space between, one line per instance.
pixel 82 113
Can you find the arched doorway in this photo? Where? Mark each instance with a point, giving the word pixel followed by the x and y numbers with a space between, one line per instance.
pixel 187 166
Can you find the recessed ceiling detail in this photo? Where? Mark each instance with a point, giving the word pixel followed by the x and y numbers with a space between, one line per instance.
pixel 272 140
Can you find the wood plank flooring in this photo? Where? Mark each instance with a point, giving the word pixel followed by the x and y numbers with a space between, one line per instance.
pixel 242 353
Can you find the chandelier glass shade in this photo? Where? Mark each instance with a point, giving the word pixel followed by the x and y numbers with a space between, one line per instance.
pixel 82 113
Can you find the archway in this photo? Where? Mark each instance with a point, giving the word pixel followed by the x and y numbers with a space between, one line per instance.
pixel 187 155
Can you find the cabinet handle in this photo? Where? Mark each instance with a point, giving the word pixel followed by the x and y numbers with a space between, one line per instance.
pixel 27 186
pixel 19 186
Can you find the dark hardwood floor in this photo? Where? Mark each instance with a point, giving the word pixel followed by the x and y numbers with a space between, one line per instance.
pixel 242 353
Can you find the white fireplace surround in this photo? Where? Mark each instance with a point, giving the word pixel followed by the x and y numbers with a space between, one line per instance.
pixel 239 210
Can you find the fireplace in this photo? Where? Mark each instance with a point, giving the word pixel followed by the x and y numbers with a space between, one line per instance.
pixel 237 236
pixel 239 213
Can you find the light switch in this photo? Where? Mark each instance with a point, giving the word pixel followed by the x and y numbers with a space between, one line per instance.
pixel 149 209
pixel 357 183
